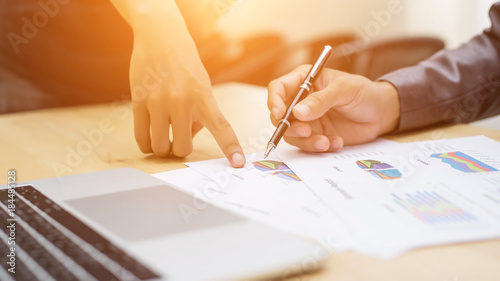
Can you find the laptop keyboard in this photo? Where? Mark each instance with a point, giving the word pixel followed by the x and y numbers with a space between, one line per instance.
pixel 51 244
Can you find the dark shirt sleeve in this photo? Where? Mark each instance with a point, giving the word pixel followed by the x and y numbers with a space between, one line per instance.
pixel 453 86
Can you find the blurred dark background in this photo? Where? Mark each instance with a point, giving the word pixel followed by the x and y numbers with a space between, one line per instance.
pixel 81 55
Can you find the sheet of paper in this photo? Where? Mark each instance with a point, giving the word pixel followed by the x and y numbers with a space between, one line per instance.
pixel 308 221
pixel 398 197
pixel 270 187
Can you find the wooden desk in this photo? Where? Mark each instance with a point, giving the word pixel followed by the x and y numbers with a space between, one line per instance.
pixel 49 143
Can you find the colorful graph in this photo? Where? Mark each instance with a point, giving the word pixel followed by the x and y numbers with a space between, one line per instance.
pixel 379 169
pixel 276 168
pixel 432 208
pixel 463 162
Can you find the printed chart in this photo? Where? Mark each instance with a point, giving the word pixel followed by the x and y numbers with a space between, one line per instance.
pixel 380 170
pixel 432 208
pixel 276 168
pixel 463 162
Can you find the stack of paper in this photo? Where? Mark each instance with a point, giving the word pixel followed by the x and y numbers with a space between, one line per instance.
pixel 380 199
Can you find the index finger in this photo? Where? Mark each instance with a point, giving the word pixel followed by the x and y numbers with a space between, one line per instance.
pixel 283 89
pixel 223 133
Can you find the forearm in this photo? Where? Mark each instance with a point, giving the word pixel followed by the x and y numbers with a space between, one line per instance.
pixel 139 13
pixel 460 85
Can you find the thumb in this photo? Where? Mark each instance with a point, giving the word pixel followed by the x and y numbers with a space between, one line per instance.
pixel 318 103
pixel 314 105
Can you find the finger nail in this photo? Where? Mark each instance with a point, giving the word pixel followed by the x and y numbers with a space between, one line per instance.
pixel 337 143
pixel 321 145
pixel 238 160
pixel 302 109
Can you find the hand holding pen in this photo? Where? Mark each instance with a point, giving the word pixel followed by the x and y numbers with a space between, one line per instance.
pixel 341 109
pixel 304 90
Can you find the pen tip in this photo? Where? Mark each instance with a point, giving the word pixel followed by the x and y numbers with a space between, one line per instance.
pixel 269 148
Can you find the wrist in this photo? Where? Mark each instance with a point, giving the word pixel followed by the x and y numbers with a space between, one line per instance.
pixel 154 20
pixel 391 108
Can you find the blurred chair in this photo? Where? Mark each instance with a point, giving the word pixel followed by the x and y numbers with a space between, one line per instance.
pixel 377 58
pixel 251 60
pixel 261 58
pixel 306 52
pixel 339 62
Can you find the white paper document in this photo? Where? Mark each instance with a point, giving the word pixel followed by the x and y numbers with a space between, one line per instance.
pixel 380 199
pixel 265 191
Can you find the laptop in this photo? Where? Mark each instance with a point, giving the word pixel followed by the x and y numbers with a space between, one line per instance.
pixel 123 224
